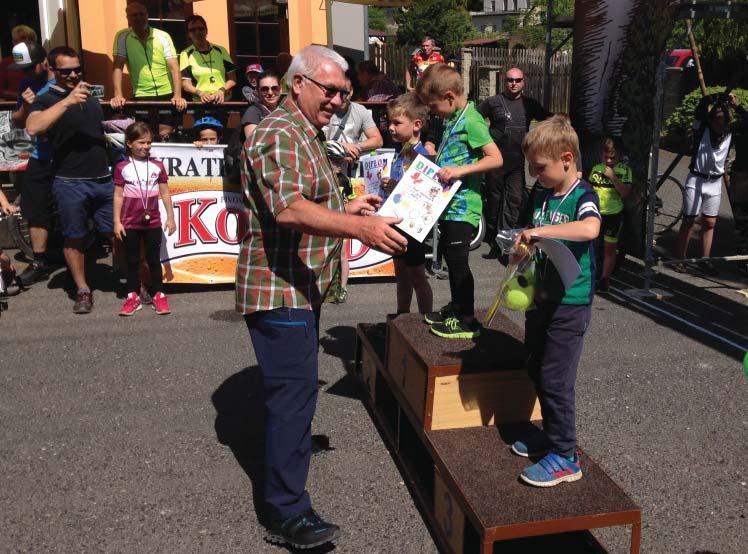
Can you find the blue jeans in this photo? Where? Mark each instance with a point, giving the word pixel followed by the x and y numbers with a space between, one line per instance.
pixel 554 336
pixel 285 343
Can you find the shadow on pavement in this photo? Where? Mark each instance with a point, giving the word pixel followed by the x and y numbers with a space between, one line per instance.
pixel 689 303
pixel 240 425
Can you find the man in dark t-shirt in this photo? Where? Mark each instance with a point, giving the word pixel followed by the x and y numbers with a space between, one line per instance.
pixel 83 186
pixel 509 115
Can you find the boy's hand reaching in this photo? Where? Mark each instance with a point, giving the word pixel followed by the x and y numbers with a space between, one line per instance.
pixel 388 184
pixel 447 174
pixel 363 205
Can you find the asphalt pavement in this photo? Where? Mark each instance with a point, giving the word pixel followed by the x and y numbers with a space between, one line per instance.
pixel 140 434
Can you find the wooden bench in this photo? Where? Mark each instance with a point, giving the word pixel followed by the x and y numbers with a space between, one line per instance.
pixel 448 410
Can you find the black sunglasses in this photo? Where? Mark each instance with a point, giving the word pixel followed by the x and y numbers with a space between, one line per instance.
pixel 330 92
pixel 68 70
pixel 514 79
pixel 274 88
pixel 195 29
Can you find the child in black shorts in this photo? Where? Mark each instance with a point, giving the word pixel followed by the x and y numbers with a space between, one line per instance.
pixel 406 116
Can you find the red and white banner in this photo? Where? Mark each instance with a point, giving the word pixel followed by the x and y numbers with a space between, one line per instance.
pixel 211 222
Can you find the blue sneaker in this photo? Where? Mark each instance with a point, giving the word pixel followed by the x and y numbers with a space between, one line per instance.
pixel 552 470
pixel 532 447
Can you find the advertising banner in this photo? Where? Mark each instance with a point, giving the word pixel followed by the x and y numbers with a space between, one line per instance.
pixel 211 221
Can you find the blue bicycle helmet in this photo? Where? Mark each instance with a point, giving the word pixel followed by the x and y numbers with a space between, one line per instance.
pixel 207 121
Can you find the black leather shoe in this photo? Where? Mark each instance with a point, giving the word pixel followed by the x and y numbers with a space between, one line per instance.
pixel 302 531
pixel 33 273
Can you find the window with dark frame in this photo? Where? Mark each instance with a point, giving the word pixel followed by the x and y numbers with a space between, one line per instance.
pixel 169 16
pixel 259 31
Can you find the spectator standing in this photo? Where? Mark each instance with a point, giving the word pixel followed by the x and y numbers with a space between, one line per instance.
pixel 139 182
pixel 287 262
pixel 509 115
pixel 82 186
pixel 10 79
pixel 208 73
pixel 420 61
pixel 152 61
pixel 353 126
pixel 703 188
pixel 252 72
pixel 36 197
pixel 269 90
pixel 376 86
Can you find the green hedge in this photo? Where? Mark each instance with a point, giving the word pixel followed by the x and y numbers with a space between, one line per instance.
pixel 677 133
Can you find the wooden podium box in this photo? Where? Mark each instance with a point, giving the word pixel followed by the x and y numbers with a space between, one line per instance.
pixel 448 411
pixel 452 384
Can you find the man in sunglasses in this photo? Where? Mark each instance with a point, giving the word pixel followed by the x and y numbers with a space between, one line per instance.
pixel 71 119
pixel 509 115
pixel 288 260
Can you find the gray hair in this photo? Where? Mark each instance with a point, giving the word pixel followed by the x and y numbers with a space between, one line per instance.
pixel 310 58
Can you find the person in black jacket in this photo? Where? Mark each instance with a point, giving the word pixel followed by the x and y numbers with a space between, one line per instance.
pixel 509 115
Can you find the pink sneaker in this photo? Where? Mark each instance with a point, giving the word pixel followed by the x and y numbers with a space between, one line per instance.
pixel 131 305
pixel 161 304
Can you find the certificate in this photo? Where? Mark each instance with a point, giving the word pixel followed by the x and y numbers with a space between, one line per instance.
pixel 419 198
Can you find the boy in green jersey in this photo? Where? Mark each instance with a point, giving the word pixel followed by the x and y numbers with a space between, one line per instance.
pixel 566 209
pixel 466 151
pixel 611 180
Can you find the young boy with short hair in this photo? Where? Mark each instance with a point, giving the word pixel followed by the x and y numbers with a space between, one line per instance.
pixel 407 117
pixel 611 181
pixel 565 209
pixel 466 151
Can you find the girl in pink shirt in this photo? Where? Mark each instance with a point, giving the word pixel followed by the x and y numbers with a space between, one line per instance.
pixel 139 181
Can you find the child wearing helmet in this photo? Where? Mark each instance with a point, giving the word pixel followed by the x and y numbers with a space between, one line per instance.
pixel 208 130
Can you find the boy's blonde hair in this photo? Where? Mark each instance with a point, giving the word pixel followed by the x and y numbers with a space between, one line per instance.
pixel 408 105
pixel 24 33
pixel 551 138
pixel 438 80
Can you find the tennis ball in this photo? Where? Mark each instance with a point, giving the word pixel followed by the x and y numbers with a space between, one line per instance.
pixel 519 293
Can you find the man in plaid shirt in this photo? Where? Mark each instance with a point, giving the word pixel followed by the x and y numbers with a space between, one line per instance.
pixel 288 260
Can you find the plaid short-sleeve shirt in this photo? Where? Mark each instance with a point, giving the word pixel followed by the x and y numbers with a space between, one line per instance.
pixel 283 161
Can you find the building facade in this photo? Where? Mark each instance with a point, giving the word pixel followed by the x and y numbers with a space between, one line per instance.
pixel 491 19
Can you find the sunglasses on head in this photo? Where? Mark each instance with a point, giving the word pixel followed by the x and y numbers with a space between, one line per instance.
pixel 514 79
pixel 330 92
pixel 68 70
pixel 274 88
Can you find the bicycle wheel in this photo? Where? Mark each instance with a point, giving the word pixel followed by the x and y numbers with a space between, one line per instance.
pixel 669 204
pixel 479 235
pixel 18 228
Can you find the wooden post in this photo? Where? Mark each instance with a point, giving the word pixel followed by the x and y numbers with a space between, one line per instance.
pixel 696 59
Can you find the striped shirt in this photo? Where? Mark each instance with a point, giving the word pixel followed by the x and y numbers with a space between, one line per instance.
pixel 140 181
pixel 284 160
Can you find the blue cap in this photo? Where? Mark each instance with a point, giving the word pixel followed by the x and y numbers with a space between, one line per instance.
pixel 208 122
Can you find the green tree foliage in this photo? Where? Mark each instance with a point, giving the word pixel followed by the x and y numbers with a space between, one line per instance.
pixel 530 26
pixel 722 44
pixel 677 132
pixel 447 21
pixel 378 19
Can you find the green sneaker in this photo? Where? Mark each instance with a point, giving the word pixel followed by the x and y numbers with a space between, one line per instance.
pixel 453 328
pixel 444 313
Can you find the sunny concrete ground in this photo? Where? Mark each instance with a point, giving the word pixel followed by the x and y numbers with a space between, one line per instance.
pixel 111 426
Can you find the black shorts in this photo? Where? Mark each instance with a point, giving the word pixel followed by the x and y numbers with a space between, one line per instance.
pixel 165 116
pixel 415 255
pixel 610 227
pixel 37 203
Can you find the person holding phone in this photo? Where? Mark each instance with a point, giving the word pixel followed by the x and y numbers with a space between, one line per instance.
pixel 71 119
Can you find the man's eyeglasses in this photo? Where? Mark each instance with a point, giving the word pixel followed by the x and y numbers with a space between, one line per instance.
pixel 68 70
pixel 276 89
pixel 330 92
pixel 514 79
pixel 196 29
